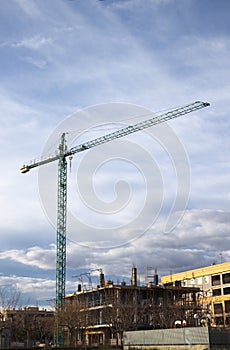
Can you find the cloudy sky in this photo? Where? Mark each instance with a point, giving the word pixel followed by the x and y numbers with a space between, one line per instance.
pixel 157 199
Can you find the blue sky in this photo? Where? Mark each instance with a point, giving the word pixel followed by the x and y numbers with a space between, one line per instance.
pixel 61 58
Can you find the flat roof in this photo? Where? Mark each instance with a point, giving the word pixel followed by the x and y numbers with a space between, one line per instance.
pixel 159 288
pixel 200 272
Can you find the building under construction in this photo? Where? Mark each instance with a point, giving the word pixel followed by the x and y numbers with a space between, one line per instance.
pixel 99 316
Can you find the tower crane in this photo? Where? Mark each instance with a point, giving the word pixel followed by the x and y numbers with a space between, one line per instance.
pixel 63 153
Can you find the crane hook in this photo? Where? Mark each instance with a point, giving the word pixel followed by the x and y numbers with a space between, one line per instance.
pixel 70 163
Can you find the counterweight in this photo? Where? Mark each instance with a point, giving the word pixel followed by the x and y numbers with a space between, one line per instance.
pixel 62 189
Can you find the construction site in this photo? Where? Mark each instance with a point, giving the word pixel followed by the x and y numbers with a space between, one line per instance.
pixel 176 312
pixel 114 187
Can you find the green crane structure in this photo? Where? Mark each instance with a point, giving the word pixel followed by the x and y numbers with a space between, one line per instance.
pixel 62 190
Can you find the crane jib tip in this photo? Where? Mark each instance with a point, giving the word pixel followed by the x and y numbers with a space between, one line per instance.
pixel 24 169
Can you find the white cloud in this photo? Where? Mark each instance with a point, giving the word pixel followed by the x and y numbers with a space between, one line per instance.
pixel 30 8
pixel 39 63
pixel 195 242
pixel 34 256
pixel 33 43
pixel 32 291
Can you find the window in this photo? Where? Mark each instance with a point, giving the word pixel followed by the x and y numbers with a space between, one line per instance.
pixel 226 278
pixel 216 292
pixel 177 283
pixel 216 280
pixel 227 306
pixel 219 321
pixel 227 290
pixel 218 308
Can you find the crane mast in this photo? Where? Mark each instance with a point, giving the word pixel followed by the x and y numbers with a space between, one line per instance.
pixel 61 237
pixel 62 190
pixel 61 222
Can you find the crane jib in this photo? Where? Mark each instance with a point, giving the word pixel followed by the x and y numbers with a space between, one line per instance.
pixel 130 129
pixel 137 127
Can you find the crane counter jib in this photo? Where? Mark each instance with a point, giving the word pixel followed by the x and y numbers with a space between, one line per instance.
pixel 118 134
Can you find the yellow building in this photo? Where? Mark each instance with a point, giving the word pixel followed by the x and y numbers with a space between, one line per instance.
pixel 214 283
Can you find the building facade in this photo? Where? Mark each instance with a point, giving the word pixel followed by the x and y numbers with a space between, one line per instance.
pixel 214 284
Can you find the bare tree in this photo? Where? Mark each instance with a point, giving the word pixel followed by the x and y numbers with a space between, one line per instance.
pixel 123 312
pixel 72 320
pixel 9 298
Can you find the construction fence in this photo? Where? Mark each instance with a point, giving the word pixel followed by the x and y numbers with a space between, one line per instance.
pixel 193 338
